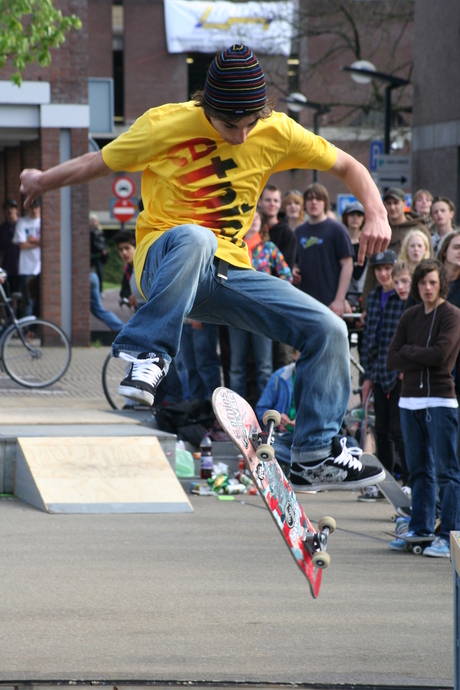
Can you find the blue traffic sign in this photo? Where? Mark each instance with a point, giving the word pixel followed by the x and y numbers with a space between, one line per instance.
pixel 342 202
pixel 375 151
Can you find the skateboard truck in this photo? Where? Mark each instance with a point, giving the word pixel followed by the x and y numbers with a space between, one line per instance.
pixel 316 542
pixel 262 441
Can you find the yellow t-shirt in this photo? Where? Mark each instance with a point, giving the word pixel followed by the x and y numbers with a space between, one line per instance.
pixel 191 175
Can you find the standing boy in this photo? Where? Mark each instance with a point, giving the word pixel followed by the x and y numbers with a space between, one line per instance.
pixel 425 348
pixel 204 163
pixel 27 235
pixel 384 308
pixel 324 253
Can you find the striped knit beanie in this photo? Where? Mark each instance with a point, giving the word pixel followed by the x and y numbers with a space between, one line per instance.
pixel 235 82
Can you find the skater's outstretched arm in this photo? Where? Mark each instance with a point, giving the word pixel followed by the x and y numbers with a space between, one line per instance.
pixel 376 233
pixel 79 170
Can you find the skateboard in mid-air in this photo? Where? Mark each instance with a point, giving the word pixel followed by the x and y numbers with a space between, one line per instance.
pixel 307 545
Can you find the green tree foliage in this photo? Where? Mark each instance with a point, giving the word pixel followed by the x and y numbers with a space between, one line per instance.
pixel 28 30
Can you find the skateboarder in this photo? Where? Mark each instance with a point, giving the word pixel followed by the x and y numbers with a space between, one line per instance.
pixel 204 163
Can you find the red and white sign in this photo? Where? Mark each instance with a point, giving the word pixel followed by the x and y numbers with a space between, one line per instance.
pixel 124 210
pixel 123 187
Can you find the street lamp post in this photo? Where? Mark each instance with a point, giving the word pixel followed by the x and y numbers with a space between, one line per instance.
pixel 393 83
pixel 297 102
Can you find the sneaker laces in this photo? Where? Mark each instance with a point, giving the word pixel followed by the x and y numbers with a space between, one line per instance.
pixel 347 458
pixel 146 370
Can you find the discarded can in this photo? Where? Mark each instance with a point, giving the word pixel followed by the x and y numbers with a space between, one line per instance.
pixel 235 489
pixel 244 479
pixel 200 489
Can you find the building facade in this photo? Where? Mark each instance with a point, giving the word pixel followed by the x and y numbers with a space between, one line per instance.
pixel 436 123
pixel 122 47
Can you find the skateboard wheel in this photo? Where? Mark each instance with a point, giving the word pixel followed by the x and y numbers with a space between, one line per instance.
pixel 272 416
pixel 417 549
pixel 265 452
pixel 321 559
pixel 328 522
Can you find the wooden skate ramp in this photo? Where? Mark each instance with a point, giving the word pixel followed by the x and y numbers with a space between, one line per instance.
pixel 128 474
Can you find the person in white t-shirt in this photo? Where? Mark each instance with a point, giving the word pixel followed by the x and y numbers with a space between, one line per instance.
pixel 27 237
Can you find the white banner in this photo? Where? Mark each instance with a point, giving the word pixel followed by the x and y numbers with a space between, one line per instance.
pixel 193 26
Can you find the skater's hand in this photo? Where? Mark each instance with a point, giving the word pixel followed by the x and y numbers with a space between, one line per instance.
pixel 373 238
pixel 30 185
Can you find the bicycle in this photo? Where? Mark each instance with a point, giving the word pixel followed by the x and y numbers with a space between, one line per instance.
pixel 113 371
pixel 34 352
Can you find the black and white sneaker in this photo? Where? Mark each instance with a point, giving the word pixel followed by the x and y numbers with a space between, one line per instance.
pixel 146 372
pixel 342 470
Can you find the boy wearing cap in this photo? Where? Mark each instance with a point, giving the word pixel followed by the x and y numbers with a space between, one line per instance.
pixel 401 223
pixel 384 308
pixel 204 164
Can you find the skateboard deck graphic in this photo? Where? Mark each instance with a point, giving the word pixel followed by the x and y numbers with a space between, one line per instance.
pixel 238 420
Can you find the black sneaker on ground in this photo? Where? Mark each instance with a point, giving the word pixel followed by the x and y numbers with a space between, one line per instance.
pixel 146 372
pixel 342 470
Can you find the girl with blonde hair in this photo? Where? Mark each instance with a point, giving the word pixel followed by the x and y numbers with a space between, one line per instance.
pixel 415 247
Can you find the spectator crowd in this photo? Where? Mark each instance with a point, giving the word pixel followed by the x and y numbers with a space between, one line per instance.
pixel 403 304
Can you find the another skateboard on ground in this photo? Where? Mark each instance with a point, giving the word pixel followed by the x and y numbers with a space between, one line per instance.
pixel 307 546
pixel 389 487
pixel 415 544
pixel 393 492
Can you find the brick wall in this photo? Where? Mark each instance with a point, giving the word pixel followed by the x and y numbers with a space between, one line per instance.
pixel 67 74
pixel 50 280
pixel 100 38
pixel 152 75
pixel 80 249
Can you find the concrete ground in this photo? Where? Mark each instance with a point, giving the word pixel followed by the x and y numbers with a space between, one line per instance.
pixel 212 595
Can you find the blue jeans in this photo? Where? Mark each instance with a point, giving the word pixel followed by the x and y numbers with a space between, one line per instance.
pixel 430 439
pixel 180 279
pixel 198 364
pixel 109 318
pixel 263 357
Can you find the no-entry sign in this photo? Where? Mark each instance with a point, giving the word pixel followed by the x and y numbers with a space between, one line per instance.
pixel 124 210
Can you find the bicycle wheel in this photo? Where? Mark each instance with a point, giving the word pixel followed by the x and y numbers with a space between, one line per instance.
pixel 113 372
pixel 44 359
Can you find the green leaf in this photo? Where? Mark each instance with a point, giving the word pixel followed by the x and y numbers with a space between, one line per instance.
pixel 28 29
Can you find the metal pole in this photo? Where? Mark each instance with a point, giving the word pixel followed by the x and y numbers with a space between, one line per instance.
pixel 315 131
pixel 387 127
